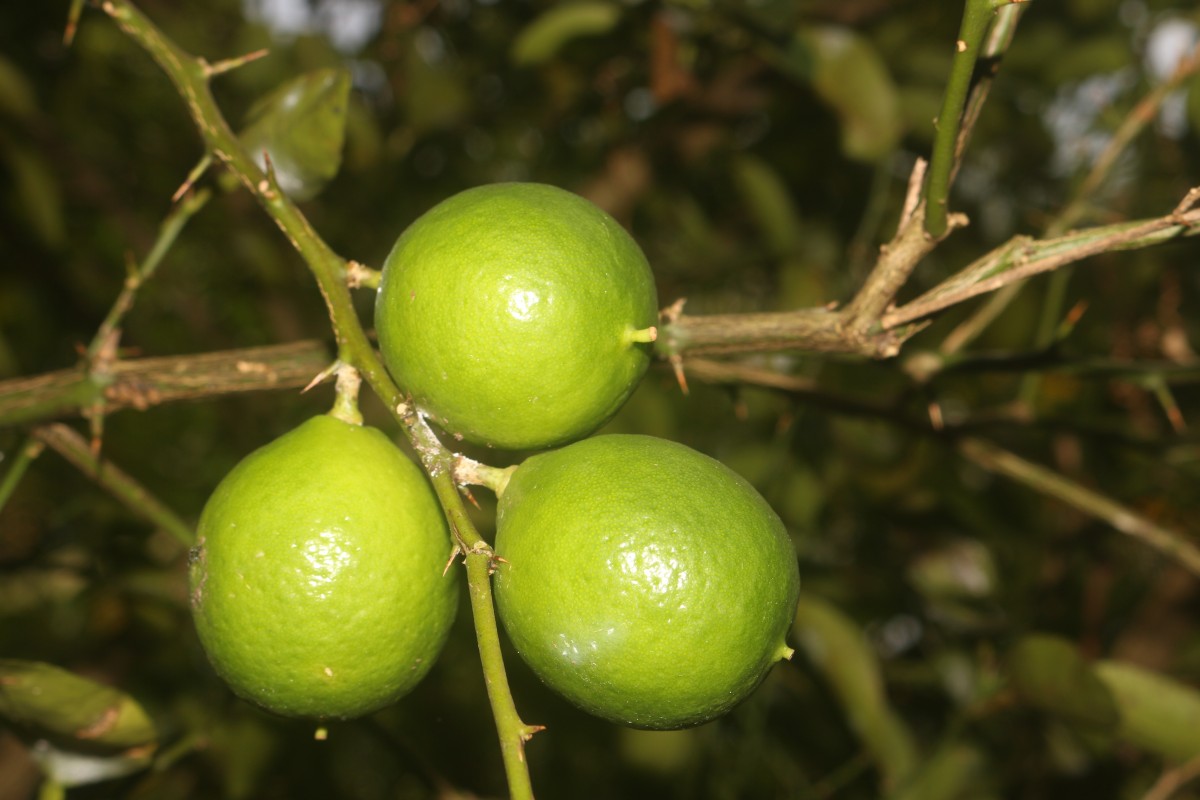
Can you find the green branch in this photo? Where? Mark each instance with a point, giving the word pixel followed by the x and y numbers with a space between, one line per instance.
pixel 190 76
pixel 976 16
pixel 1048 482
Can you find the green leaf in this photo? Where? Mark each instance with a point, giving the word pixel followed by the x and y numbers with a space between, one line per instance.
pixel 550 32
pixel 953 772
pixel 1050 674
pixel 838 649
pixel 302 126
pixel 1156 713
pixel 35 193
pixel 17 97
pixel 48 703
pixel 766 196
pixel 847 73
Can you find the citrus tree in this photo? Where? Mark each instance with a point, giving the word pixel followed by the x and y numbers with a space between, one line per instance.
pixel 778 399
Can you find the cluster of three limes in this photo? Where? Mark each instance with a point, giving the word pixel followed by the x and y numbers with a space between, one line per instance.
pixel 643 581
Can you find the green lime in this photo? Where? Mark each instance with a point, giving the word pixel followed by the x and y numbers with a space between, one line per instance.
pixel 643 581
pixel 317 581
pixel 517 315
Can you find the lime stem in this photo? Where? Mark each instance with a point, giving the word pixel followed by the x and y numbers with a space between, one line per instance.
pixel 345 404
pixel 469 472
pixel 643 336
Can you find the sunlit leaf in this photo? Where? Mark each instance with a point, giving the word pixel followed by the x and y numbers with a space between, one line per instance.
pixel 839 650
pixel 550 32
pixel 1050 674
pixel 301 126
pixel 1157 713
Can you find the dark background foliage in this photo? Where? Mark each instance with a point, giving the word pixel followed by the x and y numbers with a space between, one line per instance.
pixel 759 152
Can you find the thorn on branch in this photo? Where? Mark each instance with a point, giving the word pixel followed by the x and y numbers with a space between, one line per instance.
pixel 73 15
pixel 1186 204
pixel 322 376
pixel 192 177
pixel 228 64
pixel 677 366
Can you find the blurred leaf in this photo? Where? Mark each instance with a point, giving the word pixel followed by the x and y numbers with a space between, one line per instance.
pixel 953 772
pixel 545 36
pixel 847 72
pixel 47 702
pixel 838 649
pixel 1050 674
pixel 1089 58
pixel 1193 106
pixel 962 568
pixel 17 97
pixel 301 126
pixel 769 203
pixel 24 590
pixel 1156 713
pixel 436 96
pixel 35 193
pixel 79 731
pixel 664 752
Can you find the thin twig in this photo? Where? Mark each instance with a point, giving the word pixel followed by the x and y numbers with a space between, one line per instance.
pixel 1174 779
pixel 74 448
pixel 1048 482
pixel 168 232
pixel 1022 258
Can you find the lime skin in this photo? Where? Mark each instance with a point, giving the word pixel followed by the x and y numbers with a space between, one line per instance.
pixel 643 581
pixel 517 315
pixel 317 585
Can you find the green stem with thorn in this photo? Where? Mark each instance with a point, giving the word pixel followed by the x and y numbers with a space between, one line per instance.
pixel 191 77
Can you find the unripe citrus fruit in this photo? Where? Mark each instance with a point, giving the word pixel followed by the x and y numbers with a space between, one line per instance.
pixel 643 581
pixel 316 580
pixel 517 315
